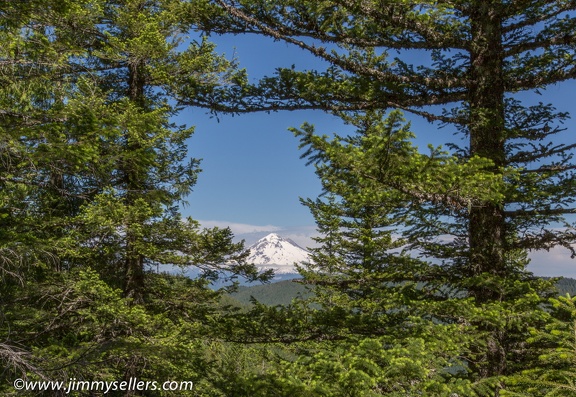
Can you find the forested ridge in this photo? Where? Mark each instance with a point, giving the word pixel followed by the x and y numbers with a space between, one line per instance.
pixel 419 270
pixel 284 292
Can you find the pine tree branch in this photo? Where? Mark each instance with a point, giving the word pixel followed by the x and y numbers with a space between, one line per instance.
pixel 533 156
pixel 542 78
pixel 551 168
pixel 455 202
pixel 547 240
pixel 541 211
pixel 518 6
pixel 388 77
pixel 18 359
pixel 389 16
pixel 566 39
pixel 260 102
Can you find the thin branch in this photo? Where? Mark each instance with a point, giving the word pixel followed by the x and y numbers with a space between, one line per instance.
pixel 541 211
pixel 561 39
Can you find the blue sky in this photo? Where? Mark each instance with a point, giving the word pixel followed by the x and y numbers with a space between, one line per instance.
pixel 252 175
pixel 252 172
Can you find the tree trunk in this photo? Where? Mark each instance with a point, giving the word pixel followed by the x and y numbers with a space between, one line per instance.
pixel 487 226
pixel 133 183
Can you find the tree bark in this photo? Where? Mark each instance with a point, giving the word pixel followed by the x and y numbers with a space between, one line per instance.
pixel 487 227
pixel 134 262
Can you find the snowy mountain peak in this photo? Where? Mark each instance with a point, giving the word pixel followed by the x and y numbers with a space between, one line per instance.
pixel 278 253
pixel 272 237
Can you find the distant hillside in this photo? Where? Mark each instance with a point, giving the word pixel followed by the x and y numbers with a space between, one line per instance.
pixel 279 293
pixel 282 292
pixel 566 286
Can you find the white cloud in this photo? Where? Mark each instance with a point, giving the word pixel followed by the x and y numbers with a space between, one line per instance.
pixel 553 263
pixel 241 228
pixel 301 235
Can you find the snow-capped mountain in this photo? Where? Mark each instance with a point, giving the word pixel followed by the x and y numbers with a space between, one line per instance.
pixel 275 252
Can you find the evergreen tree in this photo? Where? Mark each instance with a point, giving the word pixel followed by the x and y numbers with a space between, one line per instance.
pixel 137 65
pixel 42 135
pixel 370 286
pixel 93 172
pixel 478 58
pixel 87 131
pixel 357 264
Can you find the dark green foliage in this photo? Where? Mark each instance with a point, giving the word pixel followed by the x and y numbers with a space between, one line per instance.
pixel 87 330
